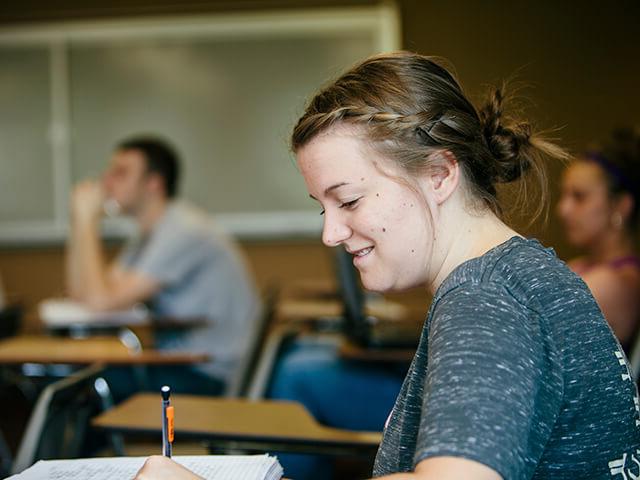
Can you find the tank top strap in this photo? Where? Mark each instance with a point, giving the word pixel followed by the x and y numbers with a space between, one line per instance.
pixel 627 261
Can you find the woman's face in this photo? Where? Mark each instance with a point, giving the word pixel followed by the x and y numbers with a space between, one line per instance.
pixel 585 207
pixel 382 222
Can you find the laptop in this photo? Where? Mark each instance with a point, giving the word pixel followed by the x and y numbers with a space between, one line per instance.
pixel 366 330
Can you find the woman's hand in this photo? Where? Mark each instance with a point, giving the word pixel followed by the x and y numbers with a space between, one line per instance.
pixel 158 467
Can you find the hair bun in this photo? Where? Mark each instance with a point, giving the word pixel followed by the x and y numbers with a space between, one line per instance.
pixel 509 144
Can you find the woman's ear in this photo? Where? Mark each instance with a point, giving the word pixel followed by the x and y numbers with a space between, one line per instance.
pixel 624 206
pixel 155 183
pixel 443 176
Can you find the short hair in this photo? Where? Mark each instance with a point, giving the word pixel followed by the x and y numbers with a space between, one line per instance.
pixel 160 157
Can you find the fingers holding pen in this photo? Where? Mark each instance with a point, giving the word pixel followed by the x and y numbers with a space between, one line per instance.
pixel 159 467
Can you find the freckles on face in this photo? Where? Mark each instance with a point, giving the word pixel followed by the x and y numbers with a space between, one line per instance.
pixel 382 228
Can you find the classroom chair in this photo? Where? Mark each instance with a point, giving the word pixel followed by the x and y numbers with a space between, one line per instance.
pixel 277 340
pixel 240 385
pixel 59 424
pixel 10 320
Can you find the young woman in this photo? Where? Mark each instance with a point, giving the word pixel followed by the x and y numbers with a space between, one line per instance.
pixel 599 210
pixel 517 374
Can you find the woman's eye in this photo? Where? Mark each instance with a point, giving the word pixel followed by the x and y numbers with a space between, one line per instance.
pixel 579 197
pixel 349 205
pixel 322 212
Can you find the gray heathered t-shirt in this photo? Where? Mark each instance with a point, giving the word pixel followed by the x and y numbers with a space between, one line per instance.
pixel 518 370
pixel 203 275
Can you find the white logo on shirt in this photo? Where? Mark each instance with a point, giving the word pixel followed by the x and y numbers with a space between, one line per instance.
pixel 618 467
pixel 621 360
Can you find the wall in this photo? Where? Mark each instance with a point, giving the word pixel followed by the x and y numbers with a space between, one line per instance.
pixel 580 60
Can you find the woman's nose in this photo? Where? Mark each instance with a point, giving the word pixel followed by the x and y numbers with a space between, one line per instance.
pixel 335 230
pixel 563 208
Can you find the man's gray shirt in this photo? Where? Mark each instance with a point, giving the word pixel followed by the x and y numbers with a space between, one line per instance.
pixel 202 276
pixel 518 370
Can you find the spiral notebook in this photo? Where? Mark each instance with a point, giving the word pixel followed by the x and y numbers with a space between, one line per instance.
pixel 210 467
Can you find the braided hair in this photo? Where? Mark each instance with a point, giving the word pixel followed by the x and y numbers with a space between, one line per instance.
pixel 410 106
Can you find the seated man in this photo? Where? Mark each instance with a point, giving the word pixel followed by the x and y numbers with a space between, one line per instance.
pixel 180 264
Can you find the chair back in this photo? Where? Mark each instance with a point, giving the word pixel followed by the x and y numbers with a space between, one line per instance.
pixel 276 342
pixel 59 423
pixel 10 319
pixel 240 384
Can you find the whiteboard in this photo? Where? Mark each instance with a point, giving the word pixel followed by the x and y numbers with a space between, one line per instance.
pixel 225 90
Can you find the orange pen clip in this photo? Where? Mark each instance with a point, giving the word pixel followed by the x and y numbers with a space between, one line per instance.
pixel 170 414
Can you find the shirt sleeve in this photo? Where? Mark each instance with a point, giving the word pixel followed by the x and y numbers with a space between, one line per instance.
pixel 171 256
pixel 494 386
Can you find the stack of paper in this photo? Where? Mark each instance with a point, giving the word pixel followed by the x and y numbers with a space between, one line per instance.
pixel 211 467
pixel 62 312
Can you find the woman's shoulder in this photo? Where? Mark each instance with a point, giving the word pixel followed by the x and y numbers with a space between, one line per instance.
pixel 517 266
pixel 612 279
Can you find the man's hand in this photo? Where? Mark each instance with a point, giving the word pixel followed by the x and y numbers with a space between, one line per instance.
pixel 160 468
pixel 87 200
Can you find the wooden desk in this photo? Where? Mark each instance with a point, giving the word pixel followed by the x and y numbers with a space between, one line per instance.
pixel 311 289
pixel 144 329
pixel 304 309
pixel 351 351
pixel 260 425
pixel 296 310
pixel 106 350
pixel 156 323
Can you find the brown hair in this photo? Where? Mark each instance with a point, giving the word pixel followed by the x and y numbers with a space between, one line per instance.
pixel 410 106
pixel 619 159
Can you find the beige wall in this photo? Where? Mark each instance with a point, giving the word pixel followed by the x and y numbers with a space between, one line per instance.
pixel 580 59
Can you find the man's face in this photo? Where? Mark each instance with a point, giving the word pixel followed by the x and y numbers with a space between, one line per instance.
pixel 126 180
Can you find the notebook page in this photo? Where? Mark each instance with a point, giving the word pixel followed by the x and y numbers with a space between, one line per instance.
pixel 240 467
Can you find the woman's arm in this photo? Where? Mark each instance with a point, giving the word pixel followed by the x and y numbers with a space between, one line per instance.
pixel 447 468
pixel 617 297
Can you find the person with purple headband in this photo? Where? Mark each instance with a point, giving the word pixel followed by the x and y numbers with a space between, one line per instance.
pixel 599 210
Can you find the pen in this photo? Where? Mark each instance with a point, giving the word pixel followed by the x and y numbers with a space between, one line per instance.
pixel 167 421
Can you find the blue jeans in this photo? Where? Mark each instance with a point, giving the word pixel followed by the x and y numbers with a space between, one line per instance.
pixel 338 393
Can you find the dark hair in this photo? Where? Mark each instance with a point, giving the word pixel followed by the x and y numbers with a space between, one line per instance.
pixel 619 159
pixel 161 158
pixel 410 106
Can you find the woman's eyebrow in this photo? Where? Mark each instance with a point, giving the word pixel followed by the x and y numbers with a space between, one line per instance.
pixel 331 188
